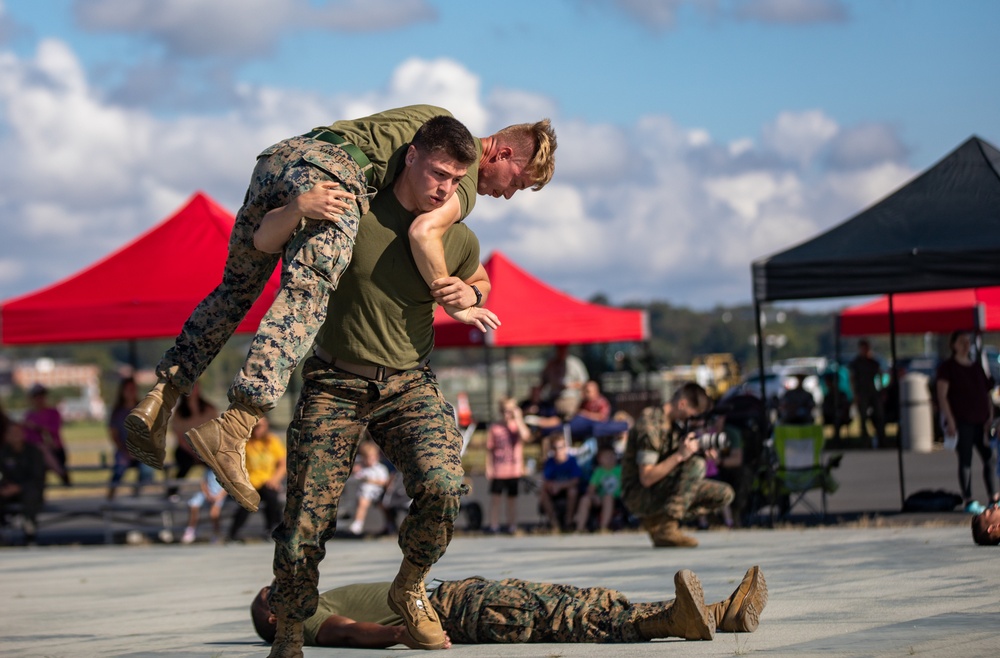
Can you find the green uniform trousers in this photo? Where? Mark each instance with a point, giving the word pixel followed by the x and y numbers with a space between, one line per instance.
pixel 313 261
pixel 409 419
pixel 478 611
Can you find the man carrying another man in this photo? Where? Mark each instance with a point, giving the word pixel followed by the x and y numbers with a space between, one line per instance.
pixel 370 373
pixel 663 476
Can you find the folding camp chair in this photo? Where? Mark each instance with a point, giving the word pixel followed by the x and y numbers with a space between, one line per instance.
pixel 800 468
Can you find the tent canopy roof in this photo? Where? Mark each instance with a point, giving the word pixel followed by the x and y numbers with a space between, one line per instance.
pixel 534 313
pixel 940 231
pixel 940 312
pixel 145 289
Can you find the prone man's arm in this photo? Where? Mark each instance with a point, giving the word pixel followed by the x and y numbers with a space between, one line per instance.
pixel 338 631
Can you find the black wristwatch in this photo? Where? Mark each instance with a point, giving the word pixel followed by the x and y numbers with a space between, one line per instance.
pixel 479 296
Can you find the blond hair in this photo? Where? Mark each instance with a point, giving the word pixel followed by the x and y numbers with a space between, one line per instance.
pixel 539 139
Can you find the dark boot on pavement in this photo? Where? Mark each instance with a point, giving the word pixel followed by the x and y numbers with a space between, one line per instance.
pixel 666 532
pixel 146 425
pixel 408 598
pixel 288 640
pixel 686 617
pixel 740 613
pixel 221 443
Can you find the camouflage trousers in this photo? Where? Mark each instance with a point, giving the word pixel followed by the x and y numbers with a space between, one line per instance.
pixel 478 611
pixel 313 261
pixel 684 493
pixel 411 422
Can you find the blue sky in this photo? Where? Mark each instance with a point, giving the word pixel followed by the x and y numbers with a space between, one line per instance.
pixel 694 135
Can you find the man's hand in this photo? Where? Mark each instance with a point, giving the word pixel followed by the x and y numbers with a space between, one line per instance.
pixel 480 317
pixel 324 200
pixel 452 291
pixel 689 446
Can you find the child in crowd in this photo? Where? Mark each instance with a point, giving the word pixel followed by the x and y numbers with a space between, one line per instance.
pixel 604 490
pixel 374 477
pixel 505 463
pixel 213 494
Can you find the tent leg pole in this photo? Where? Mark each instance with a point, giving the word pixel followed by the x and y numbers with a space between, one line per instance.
pixel 489 384
pixel 764 421
pixel 899 403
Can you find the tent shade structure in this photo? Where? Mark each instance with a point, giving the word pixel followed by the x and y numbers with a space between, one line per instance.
pixel 939 312
pixel 145 289
pixel 533 313
pixel 940 231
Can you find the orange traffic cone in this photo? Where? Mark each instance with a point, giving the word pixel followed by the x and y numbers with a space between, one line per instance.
pixel 464 411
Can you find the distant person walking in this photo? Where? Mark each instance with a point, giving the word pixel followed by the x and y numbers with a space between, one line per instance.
pixel 864 371
pixel 963 391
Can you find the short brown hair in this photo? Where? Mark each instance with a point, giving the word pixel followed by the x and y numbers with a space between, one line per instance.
pixel 539 139
pixel 448 135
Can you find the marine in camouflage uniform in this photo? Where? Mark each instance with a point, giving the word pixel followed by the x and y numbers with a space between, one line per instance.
pixel 479 611
pixel 682 494
pixel 370 374
pixel 314 259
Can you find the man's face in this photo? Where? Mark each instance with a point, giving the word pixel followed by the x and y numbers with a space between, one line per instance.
pixel 502 176
pixel 992 518
pixel 434 178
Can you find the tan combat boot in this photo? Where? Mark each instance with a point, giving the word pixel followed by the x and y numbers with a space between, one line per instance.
pixel 288 640
pixel 221 443
pixel 740 613
pixel 408 599
pixel 665 532
pixel 146 425
pixel 686 617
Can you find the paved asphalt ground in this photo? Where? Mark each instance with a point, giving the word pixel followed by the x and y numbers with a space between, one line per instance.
pixel 869 582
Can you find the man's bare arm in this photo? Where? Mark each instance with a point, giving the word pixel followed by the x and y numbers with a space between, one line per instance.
pixel 324 201
pixel 338 631
pixel 426 235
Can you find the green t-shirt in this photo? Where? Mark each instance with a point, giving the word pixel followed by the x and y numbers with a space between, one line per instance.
pixel 382 313
pixel 364 602
pixel 384 138
pixel 607 480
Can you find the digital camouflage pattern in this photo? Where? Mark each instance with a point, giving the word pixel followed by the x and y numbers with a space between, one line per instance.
pixel 684 492
pixel 479 611
pixel 314 259
pixel 411 422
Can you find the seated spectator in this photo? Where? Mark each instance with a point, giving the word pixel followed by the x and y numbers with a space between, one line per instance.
pixel 192 410
pixel 604 491
pixel 560 484
pixel 212 493
pixel 797 405
pixel 125 401
pixel 836 404
pixel 373 476
pixel 562 382
pixel 592 419
pixel 22 478
pixel 266 468
pixel 43 428
pixel 505 463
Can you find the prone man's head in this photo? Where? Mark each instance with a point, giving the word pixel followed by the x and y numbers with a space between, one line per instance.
pixel 986 527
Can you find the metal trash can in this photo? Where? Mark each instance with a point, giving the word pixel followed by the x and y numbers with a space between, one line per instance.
pixel 916 417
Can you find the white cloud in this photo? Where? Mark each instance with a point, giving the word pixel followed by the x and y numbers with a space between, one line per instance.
pixel 241 28
pixel 792 11
pixel 653 210
pixel 799 136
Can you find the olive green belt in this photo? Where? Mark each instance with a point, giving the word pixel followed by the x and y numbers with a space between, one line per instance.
pixel 326 135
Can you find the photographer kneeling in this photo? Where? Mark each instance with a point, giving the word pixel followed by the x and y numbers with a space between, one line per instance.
pixel 663 468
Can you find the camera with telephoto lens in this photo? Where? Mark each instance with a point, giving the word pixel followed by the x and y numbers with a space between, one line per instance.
pixel 713 441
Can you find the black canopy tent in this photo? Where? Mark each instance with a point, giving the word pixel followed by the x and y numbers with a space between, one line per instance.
pixel 938 232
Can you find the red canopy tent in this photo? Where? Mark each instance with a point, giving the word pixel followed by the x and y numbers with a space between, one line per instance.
pixel 146 289
pixel 940 311
pixel 533 313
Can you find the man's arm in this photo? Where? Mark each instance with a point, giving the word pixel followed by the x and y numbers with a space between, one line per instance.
pixel 323 201
pixel 650 474
pixel 339 631
pixel 426 234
